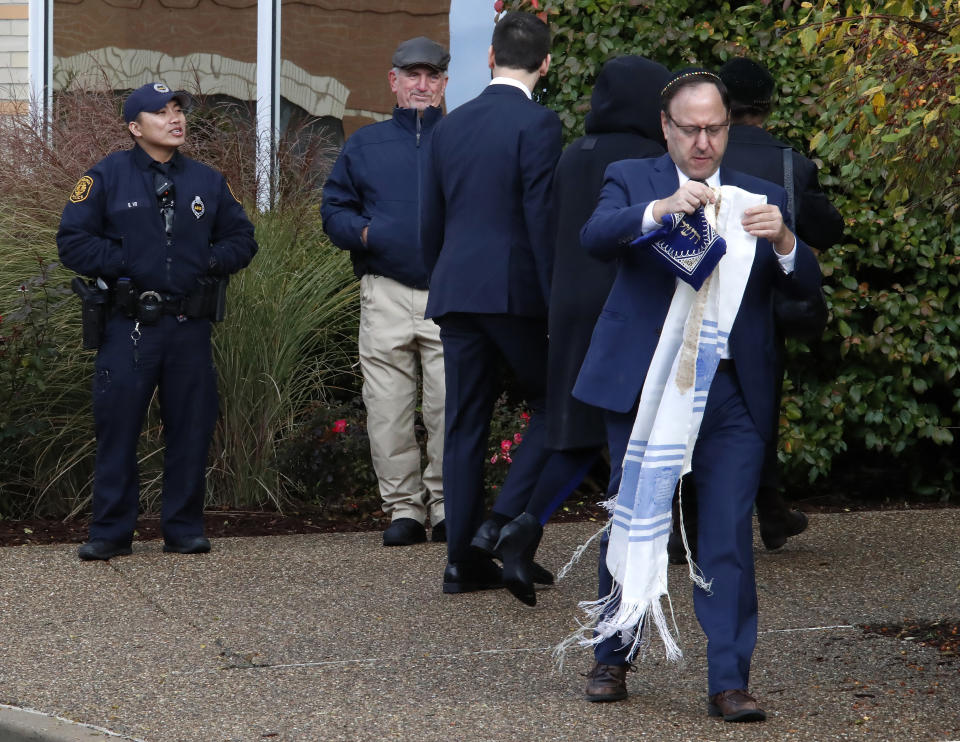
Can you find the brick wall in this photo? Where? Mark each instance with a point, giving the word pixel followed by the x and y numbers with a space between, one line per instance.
pixel 350 41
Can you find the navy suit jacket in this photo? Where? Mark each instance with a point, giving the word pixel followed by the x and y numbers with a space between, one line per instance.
pixel 486 227
pixel 628 329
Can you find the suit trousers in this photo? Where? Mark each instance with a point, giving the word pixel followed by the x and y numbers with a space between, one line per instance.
pixel 474 346
pixel 175 359
pixel 394 336
pixel 727 463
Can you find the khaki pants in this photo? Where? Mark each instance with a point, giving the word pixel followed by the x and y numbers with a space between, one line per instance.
pixel 393 334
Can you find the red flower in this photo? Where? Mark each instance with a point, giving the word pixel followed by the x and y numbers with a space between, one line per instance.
pixel 517 438
pixel 339 426
pixel 535 3
pixel 498 6
pixel 493 459
pixel 505 446
pixel 525 416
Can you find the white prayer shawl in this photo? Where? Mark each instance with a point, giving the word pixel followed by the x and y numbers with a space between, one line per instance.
pixel 692 342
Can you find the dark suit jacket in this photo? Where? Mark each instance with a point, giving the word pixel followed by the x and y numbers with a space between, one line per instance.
pixel 756 152
pixel 486 223
pixel 629 327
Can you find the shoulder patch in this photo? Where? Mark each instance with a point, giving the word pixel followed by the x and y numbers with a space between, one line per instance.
pixel 82 189
pixel 233 194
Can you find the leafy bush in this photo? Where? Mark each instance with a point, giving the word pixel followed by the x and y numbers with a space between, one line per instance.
pixel 328 459
pixel 507 426
pixel 879 388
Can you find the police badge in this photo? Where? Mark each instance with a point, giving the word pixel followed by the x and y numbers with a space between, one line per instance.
pixel 197 207
pixel 82 189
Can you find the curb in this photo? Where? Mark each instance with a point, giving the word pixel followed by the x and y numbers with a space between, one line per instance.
pixel 27 725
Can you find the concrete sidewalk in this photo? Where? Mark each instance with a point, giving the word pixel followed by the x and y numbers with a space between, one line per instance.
pixel 333 637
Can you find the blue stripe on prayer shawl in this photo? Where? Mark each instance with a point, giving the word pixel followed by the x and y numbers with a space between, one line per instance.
pixel 640 538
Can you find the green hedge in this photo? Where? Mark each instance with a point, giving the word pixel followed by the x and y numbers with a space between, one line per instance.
pixel 873 404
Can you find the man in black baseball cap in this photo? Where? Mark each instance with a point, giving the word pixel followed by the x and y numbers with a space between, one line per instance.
pixel 152 97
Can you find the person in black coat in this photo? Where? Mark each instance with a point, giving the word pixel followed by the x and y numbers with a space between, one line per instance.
pixel 753 150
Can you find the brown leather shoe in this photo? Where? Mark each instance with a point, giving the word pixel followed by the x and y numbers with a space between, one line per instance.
pixel 735 705
pixel 607 682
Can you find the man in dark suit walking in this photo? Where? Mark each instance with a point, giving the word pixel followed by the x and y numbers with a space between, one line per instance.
pixel 739 414
pixel 487 233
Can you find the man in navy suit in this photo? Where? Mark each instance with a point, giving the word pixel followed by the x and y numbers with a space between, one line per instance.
pixel 740 414
pixel 487 232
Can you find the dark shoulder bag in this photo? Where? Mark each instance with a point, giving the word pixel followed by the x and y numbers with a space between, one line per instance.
pixel 804 319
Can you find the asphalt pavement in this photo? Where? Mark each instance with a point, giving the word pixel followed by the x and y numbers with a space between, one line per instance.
pixel 334 637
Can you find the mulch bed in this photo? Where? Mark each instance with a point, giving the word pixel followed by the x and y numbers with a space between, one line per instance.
pixel 943 634
pixel 224 522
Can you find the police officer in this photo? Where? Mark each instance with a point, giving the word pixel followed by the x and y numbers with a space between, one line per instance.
pixel 159 233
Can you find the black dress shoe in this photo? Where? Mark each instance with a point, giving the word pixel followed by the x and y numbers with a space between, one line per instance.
pixel 192 545
pixel 438 532
pixel 541 575
pixel 404 532
pixel 777 527
pixel 467 577
pixel 518 543
pixel 485 539
pixel 99 549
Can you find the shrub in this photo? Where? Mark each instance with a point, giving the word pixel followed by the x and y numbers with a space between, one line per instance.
pixel 879 387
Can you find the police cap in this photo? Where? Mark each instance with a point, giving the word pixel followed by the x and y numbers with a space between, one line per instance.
pixel 152 97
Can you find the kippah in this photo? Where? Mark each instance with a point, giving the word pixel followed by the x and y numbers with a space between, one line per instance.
pixel 688 72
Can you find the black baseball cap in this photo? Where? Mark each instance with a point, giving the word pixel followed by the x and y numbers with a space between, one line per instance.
pixel 421 51
pixel 748 82
pixel 152 97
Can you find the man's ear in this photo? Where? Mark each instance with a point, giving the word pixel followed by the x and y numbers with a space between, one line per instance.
pixel 544 66
pixel 393 80
pixel 134 128
pixel 663 123
pixel 491 60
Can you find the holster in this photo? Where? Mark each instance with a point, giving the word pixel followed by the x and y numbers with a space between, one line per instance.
pixel 93 311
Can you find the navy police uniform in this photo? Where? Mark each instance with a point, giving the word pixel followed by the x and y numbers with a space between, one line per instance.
pixel 112 228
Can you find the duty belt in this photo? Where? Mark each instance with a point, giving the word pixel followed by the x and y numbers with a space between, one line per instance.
pixel 148 306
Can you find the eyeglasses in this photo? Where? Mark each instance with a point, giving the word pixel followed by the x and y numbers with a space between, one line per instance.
pixel 713 130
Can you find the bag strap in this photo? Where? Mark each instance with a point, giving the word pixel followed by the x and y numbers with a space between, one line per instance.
pixel 788 185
